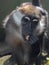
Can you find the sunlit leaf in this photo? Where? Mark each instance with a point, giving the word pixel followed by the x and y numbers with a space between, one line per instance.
pixel 47 58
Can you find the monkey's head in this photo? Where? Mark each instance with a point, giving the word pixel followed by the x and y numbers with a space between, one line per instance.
pixel 31 14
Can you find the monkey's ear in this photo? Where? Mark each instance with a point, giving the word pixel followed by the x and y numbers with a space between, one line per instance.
pixel 36 2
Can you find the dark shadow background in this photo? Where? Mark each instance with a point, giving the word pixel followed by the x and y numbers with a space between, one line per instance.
pixel 6 6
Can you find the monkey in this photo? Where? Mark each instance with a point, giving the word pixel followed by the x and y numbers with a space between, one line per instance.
pixel 37 19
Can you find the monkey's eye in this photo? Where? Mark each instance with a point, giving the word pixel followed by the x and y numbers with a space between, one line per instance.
pixel 26 19
pixel 35 21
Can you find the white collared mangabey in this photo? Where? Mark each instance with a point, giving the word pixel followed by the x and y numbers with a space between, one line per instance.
pixel 25 28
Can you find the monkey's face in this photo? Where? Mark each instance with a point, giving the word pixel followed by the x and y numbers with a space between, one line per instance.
pixel 29 24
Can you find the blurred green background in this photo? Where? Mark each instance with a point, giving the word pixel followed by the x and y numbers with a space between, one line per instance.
pixel 6 6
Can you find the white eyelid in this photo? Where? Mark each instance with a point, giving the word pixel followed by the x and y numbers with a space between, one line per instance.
pixel 34 20
pixel 27 18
